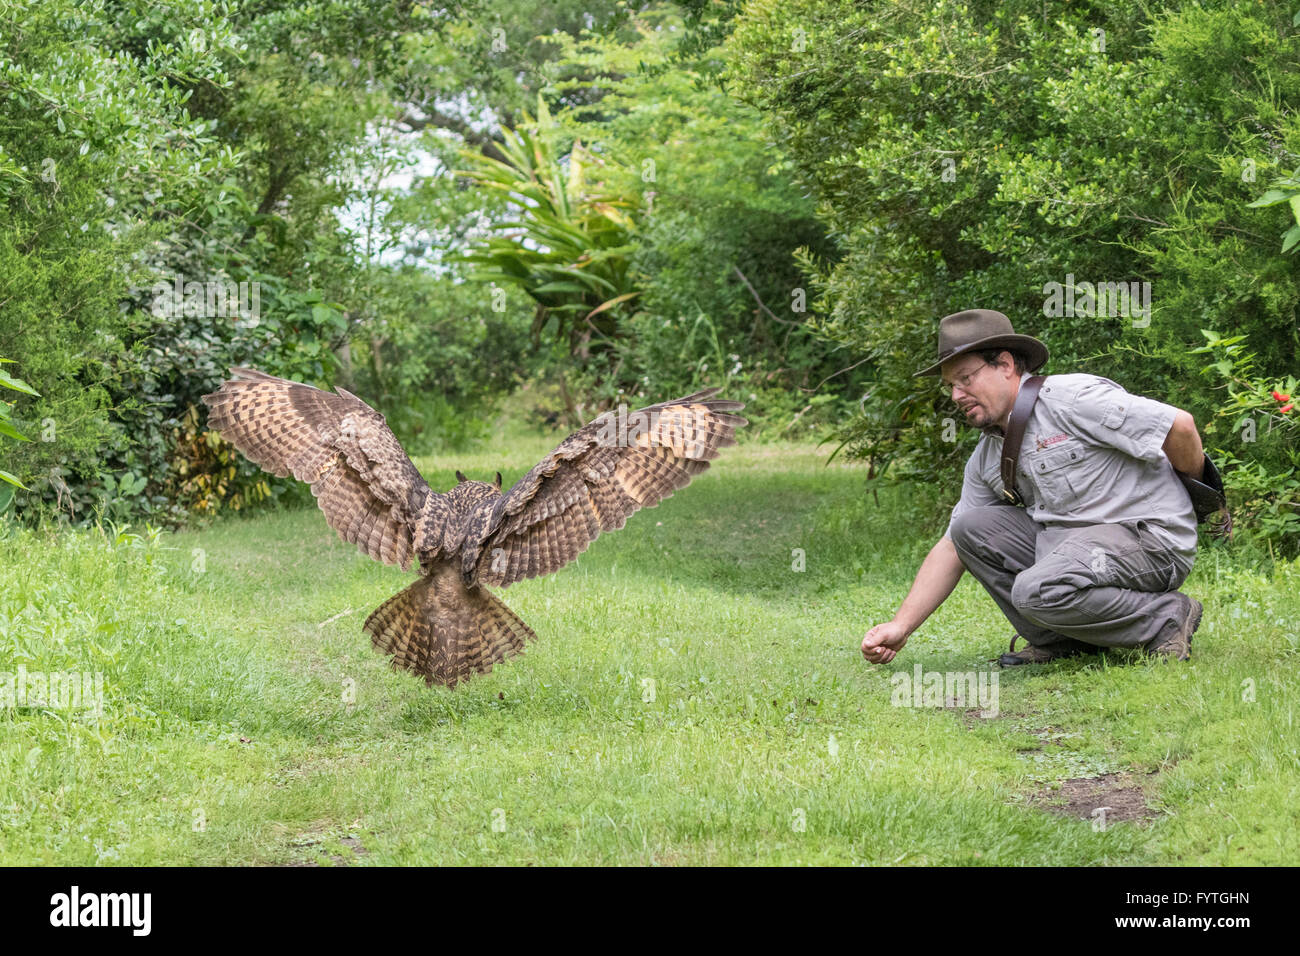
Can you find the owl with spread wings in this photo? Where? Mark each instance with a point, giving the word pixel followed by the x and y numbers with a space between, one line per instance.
pixel 447 626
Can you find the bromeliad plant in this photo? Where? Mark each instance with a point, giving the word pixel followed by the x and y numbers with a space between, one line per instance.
pixel 570 243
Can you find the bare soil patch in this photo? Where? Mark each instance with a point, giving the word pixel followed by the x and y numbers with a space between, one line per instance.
pixel 1121 794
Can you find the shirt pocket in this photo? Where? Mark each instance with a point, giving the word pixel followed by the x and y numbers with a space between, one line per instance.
pixel 1048 470
pixel 1116 412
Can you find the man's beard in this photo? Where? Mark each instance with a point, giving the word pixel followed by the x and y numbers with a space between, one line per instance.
pixel 990 427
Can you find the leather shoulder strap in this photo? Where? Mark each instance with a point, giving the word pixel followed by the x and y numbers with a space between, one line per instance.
pixel 1020 412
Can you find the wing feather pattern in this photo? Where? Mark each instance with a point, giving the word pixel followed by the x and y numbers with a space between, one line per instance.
pixel 363 481
pixel 593 482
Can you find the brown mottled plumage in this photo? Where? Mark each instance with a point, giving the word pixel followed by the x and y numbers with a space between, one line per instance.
pixel 448 626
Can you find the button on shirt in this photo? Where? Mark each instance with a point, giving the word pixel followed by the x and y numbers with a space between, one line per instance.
pixel 1091 455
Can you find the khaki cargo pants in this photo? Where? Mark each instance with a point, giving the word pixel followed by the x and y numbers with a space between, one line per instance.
pixel 1107 585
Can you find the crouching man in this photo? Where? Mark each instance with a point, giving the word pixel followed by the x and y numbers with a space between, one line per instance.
pixel 1107 533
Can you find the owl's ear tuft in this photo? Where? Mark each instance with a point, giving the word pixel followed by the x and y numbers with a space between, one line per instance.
pixel 460 476
pixel 498 481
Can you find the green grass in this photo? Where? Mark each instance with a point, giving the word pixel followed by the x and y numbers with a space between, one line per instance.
pixel 226 738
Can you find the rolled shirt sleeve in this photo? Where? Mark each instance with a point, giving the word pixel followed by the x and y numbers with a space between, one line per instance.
pixel 1105 414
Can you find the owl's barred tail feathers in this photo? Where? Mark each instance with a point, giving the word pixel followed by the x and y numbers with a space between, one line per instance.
pixel 444 631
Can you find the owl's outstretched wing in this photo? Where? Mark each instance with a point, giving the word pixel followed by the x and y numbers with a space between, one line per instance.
pixel 363 481
pixel 593 482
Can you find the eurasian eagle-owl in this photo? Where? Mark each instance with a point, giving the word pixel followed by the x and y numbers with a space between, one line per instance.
pixel 447 626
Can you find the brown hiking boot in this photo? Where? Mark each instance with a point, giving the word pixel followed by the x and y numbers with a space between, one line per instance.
pixel 1177 642
pixel 1032 654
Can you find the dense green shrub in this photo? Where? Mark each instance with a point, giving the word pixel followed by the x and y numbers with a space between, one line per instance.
pixel 145 143
pixel 97 155
pixel 968 154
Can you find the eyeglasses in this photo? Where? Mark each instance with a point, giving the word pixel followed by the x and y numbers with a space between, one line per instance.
pixel 963 382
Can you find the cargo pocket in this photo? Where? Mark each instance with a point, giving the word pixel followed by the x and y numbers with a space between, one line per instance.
pixel 1158 570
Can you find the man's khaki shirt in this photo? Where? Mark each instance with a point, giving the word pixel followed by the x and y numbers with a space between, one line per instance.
pixel 1091 455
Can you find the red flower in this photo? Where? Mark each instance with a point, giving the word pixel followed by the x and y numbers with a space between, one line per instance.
pixel 1281 396
pixel 1286 408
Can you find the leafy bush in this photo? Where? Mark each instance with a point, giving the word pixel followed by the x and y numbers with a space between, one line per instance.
pixel 97 154
pixel 1254 436
pixel 966 155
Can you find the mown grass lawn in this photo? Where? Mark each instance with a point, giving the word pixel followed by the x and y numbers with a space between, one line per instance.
pixel 691 699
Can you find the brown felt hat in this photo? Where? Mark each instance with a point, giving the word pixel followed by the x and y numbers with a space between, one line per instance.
pixel 978 329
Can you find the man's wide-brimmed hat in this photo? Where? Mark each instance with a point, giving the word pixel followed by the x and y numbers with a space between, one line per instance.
pixel 978 329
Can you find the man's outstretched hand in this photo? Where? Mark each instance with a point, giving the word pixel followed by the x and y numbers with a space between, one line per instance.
pixel 883 641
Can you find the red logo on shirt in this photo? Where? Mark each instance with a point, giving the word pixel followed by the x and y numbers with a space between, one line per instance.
pixel 1045 442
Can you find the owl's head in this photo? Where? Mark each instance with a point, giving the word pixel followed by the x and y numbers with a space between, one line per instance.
pixel 468 493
